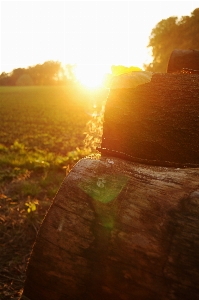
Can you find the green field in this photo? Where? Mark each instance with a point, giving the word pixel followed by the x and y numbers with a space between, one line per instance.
pixel 42 132
pixel 49 118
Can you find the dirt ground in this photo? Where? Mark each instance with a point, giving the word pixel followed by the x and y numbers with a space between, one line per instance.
pixel 18 230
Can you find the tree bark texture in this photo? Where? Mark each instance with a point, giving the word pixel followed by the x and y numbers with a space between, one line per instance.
pixel 119 230
pixel 156 122
pixel 183 59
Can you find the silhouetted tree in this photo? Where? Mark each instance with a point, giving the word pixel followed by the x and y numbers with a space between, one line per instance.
pixel 5 79
pixel 48 73
pixel 24 80
pixel 170 34
pixel 16 74
pixel 45 74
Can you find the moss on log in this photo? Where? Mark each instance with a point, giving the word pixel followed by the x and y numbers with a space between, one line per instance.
pixel 119 230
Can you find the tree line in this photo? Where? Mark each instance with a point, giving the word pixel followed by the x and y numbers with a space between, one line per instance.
pixel 168 34
pixel 48 73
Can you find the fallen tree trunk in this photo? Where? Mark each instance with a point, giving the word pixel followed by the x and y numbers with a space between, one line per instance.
pixel 119 230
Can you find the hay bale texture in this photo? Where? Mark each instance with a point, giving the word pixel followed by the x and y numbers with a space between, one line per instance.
pixel 119 229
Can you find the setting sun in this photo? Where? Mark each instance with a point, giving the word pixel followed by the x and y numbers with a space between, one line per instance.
pixel 91 76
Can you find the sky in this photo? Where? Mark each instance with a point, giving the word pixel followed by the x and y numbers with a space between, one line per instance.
pixel 91 34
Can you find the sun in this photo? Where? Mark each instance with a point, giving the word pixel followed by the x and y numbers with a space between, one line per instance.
pixel 91 76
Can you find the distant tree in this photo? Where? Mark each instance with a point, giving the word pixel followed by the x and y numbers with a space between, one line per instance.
pixel 45 74
pixel 16 74
pixel 24 80
pixel 170 34
pixel 48 73
pixel 5 79
pixel 35 74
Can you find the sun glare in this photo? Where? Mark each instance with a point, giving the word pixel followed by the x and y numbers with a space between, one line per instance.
pixel 90 76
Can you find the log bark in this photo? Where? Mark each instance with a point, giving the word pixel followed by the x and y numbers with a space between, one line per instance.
pixel 184 59
pixel 156 122
pixel 119 230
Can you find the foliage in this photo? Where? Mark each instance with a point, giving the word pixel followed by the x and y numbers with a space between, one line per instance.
pixel 34 148
pixel 43 133
pixel 48 73
pixel 170 34
pixel 42 137
pixel 31 206
pixel 24 80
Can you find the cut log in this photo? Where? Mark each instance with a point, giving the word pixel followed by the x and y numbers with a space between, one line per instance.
pixel 184 60
pixel 119 230
pixel 156 122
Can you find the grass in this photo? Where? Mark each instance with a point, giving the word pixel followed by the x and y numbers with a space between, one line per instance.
pixel 49 118
pixel 41 138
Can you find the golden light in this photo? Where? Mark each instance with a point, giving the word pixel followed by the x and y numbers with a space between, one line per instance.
pixel 91 76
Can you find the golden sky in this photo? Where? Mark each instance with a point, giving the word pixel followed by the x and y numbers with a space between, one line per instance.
pixel 91 34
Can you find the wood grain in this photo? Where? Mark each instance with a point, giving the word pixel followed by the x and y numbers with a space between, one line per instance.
pixel 119 230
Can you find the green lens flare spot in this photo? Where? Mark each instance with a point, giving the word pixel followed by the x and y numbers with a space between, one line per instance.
pixel 104 188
